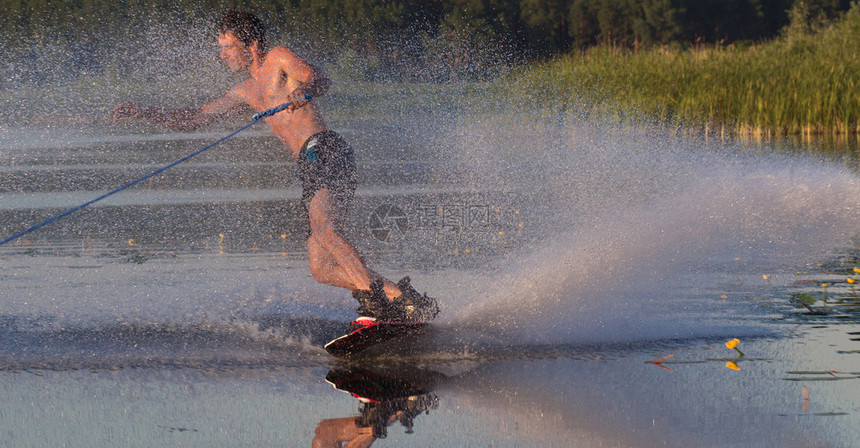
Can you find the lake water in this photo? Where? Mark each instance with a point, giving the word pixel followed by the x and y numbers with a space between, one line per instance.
pixel 565 256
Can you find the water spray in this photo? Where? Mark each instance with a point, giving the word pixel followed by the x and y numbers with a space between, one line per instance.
pixel 254 119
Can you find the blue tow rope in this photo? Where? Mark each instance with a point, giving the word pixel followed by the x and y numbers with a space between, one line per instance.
pixel 254 119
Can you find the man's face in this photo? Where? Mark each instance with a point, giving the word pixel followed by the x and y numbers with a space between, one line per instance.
pixel 236 54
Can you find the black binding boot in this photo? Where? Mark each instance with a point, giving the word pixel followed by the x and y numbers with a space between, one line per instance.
pixel 374 304
pixel 416 307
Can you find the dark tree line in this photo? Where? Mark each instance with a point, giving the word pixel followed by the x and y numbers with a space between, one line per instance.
pixel 418 40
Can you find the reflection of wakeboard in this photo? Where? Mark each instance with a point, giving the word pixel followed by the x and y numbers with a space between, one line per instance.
pixel 387 395
pixel 360 341
pixel 379 385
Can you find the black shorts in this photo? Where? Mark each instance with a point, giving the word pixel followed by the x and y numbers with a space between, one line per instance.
pixel 326 161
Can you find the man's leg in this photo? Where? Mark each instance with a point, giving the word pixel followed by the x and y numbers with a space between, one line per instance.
pixel 324 268
pixel 333 260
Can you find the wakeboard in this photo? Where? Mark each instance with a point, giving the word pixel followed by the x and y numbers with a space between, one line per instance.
pixel 361 341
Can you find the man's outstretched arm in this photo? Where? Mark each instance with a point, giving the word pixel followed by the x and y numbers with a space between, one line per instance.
pixel 181 119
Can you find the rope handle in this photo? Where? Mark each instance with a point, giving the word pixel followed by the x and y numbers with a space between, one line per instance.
pixel 268 113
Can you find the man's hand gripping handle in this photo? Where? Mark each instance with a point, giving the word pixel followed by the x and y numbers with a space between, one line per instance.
pixel 268 113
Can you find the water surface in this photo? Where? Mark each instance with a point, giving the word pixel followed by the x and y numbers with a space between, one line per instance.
pixel 566 255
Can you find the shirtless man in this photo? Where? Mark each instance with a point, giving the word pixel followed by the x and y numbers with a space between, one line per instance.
pixel 325 161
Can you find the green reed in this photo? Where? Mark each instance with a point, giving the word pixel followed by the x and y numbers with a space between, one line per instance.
pixel 805 82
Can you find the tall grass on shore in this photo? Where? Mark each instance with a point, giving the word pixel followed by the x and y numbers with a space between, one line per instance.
pixel 806 82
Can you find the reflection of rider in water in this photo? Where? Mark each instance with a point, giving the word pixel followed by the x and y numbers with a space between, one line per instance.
pixel 373 422
pixel 333 432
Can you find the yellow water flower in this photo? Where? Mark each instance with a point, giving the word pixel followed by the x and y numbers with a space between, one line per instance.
pixel 857 270
pixel 765 276
pixel 131 242
pixel 732 366
pixel 733 344
pixel 850 280
pixel 824 285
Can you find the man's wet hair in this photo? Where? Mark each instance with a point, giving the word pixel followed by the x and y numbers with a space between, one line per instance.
pixel 245 26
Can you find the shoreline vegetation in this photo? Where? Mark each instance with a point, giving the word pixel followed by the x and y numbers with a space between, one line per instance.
pixel 804 83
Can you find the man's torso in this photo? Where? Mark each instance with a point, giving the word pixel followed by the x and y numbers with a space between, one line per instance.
pixel 269 89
